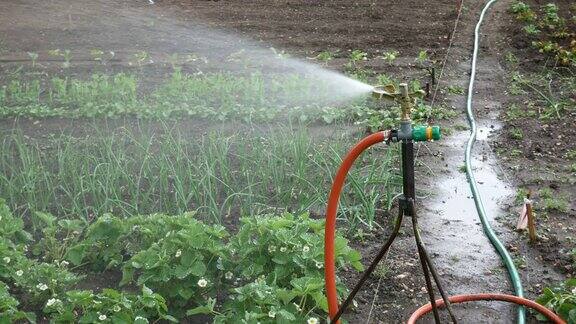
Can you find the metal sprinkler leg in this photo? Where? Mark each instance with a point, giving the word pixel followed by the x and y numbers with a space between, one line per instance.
pixel 423 254
pixel 407 204
pixel 410 209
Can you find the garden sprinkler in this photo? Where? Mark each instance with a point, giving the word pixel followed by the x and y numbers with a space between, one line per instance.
pixel 406 135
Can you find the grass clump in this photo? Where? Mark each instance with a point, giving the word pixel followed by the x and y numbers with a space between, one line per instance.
pixel 221 174
pixel 554 202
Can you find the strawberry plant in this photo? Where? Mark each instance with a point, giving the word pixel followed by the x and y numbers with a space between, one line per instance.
pixel 270 271
pixel 523 11
pixel 12 228
pixel 551 33
pixel 56 235
pixel 110 241
pixel 83 306
pixel 183 266
pixel 34 280
pixel 285 247
pixel 261 302
pixel 9 312
pixel 561 299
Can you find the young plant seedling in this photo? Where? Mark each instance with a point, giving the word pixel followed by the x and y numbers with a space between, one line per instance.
pixel 390 56
pixel 33 56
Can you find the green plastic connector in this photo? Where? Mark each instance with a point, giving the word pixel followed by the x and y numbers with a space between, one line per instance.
pixel 426 133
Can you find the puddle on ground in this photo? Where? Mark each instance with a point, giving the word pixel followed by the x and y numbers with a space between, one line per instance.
pixel 451 226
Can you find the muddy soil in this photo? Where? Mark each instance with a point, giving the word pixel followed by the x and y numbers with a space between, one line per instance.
pixel 541 164
pixel 540 159
pixel 450 227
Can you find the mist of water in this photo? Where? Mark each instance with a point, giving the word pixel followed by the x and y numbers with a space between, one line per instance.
pixel 160 31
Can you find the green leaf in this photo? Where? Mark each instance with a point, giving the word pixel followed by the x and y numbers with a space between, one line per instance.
pixel 141 320
pixel 182 272
pixel 198 269
pixel 187 258
pixel 286 295
pixel 147 291
pixel 76 253
pixel 170 318
pixel 320 300
pixel 121 319
pixel 206 309
pixel 43 219
pixel 186 293
pixel 80 297
pixel 127 275
pixel 286 315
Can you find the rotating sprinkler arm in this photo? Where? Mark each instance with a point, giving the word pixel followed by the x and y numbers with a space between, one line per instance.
pixel 404 97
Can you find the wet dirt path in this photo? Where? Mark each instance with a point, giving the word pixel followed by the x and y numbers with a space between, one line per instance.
pixel 451 227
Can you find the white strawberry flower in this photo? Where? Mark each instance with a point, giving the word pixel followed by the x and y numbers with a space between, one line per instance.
pixel 202 283
pixel 312 320
pixel 178 253
pixel 271 314
pixel 41 286
pixel 53 301
pixel 219 264
pixel 6 259
pixel 19 273
pixel 102 317
pixel 228 275
pixel 306 249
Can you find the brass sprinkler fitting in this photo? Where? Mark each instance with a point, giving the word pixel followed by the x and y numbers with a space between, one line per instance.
pixel 405 98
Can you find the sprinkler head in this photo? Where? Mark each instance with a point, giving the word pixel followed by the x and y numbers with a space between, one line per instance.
pixel 387 92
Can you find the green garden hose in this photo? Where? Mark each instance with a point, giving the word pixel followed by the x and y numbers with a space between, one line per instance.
pixel 504 254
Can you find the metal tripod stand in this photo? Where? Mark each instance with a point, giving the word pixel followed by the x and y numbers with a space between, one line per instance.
pixel 406 204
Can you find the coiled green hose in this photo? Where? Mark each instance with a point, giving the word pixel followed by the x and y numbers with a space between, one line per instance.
pixel 504 254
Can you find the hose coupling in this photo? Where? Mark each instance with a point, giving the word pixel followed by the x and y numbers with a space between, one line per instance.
pixel 416 134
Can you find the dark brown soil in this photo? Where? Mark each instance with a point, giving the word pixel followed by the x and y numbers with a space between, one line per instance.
pixel 542 158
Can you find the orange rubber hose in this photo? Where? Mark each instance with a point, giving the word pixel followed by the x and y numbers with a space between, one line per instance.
pixel 476 297
pixel 332 210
